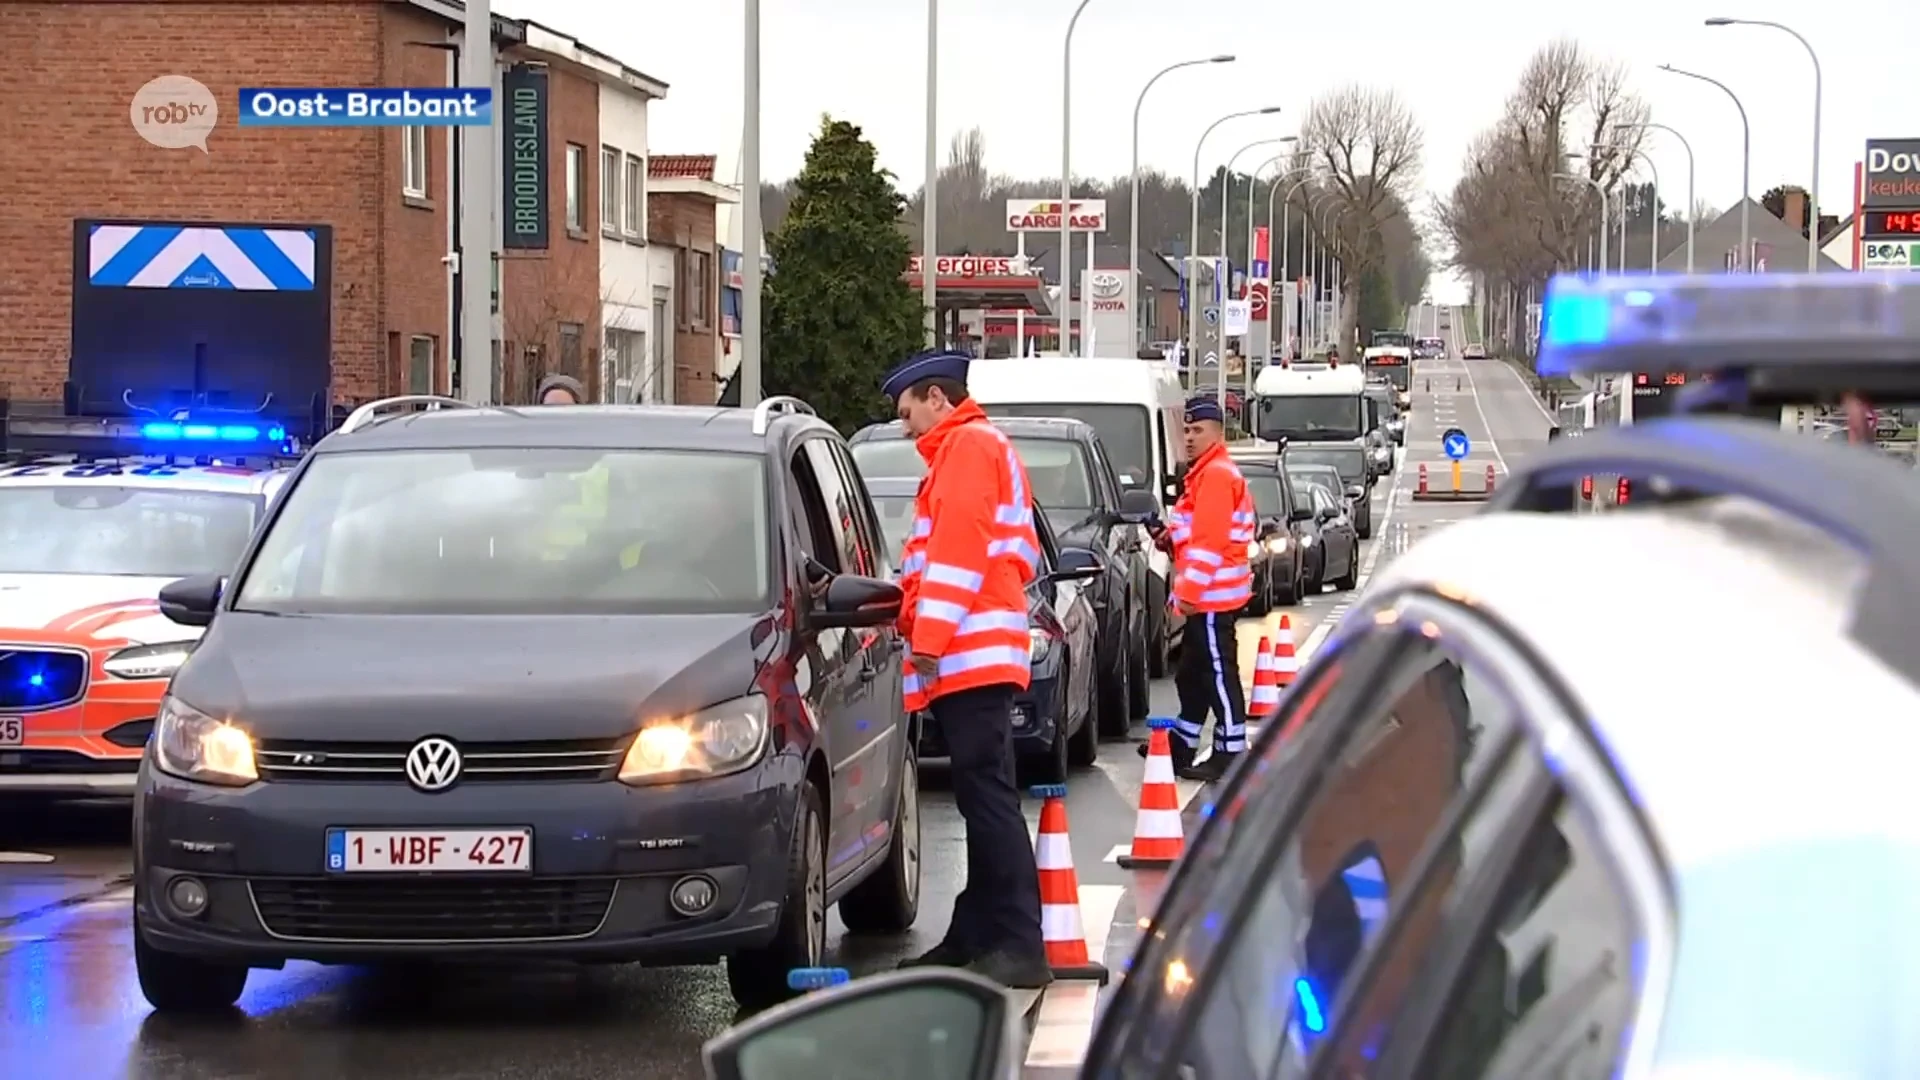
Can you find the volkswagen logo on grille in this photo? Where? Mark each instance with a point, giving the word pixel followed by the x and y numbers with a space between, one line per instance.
pixel 433 764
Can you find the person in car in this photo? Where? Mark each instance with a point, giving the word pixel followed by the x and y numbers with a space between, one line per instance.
pixel 558 389
pixel 964 574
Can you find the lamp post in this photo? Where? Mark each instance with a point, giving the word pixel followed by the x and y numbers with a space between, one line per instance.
pixel 1602 193
pixel 1813 193
pixel 1286 230
pixel 1253 183
pixel 1650 125
pixel 1314 257
pixel 1066 183
pixel 1133 211
pixel 1653 245
pixel 1226 249
pixel 1193 225
pixel 930 215
pixel 1332 263
pixel 748 374
pixel 1746 163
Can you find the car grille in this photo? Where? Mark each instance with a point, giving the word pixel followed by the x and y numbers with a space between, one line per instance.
pixel 432 910
pixel 34 680
pixel 522 762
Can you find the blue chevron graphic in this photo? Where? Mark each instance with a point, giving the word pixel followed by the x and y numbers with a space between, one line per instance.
pixel 200 257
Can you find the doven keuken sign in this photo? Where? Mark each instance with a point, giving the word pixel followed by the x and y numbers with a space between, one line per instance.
pixel 1892 173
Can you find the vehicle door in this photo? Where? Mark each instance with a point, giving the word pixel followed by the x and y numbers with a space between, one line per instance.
pixel 836 692
pixel 1070 603
pixel 1336 531
pixel 1122 548
pixel 1411 874
pixel 878 653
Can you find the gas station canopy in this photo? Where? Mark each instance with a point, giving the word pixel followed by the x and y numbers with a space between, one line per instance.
pixel 984 283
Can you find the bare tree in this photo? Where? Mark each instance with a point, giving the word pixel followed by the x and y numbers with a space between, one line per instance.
pixel 1365 145
pixel 546 326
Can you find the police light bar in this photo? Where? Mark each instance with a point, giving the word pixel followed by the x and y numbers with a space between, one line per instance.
pixel 1720 322
pixel 125 436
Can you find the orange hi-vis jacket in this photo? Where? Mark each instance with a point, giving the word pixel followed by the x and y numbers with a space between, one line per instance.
pixel 1210 527
pixel 968 560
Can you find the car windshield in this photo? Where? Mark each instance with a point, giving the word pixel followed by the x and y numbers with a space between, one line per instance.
pixel 1269 495
pixel 1349 461
pixel 1123 430
pixel 1299 416
pixel 1391 339
pixel 896 520
pixel 1057 468
pixel 1326 480
pixel 517 531
pixel 101 529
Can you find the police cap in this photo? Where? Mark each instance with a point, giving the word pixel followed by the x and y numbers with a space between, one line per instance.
pixel 924 365
pixel 1204 408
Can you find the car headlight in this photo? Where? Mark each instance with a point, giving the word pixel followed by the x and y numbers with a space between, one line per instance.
pixel 1037 642
pixel 715 741
pixel 1277 545
pixel 149 661
pixel 1307 540
pixel 1253 550
pixel 194 746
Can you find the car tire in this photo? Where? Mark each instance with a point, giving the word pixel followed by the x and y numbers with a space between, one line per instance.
pixel 1363 524
pixel 1109 715
pixel 173 983
pixel 1083 746
pixel 1349 580
pixel 1139 682
pixel 758 977
pixel 1159 653
pixel 889 901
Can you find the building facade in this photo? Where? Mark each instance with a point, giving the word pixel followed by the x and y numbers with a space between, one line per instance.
pixel 682 197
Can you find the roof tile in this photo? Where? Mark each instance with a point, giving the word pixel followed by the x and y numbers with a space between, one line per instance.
pixel 691 166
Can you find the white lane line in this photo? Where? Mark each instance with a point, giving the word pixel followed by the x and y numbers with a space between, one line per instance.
pixel 25 857
pixel 1492 443
pixel 1524 389
pixel 1068 1010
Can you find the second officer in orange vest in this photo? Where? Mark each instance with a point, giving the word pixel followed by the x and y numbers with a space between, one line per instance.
pixel 1208 531
pixel 965 569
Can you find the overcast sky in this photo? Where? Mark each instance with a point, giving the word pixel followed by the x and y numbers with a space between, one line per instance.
pixel 864 61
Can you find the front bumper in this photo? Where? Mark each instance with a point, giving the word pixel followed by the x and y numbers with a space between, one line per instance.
pixel 1037 719
pixel 90 748
pixel 605 858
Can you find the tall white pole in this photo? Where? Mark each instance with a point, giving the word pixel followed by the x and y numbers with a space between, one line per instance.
pixel 1133 210
pixel 1193 230
pixel 479 151
pixel 1602 193
pixel 1066 183
pixel 1813 186
pixel 930 202
pixel 1688 147
pixel 1746 163
pixel 749 373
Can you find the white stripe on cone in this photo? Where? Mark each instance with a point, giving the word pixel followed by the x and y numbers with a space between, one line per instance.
pixel 1053 851
pixel 1159 770
pixel 1158 825
pixel 1060 922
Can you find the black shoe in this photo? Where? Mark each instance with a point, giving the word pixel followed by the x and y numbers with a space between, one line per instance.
pixel 945 954
pixel 1182 757
pixel 1013 972
pixel 1214 768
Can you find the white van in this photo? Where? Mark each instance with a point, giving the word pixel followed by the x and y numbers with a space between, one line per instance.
pixel 1138 409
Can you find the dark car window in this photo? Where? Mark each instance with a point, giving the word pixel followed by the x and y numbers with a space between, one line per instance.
pixel 1324 480
pixel 99 530
pixel 811 505
pixel 1123 429
pixel 1349 461
pixel 885 458
pixel 1269 494
pixel 1057 469
pixel 841 503
pixel 1106 482
pixel 866 529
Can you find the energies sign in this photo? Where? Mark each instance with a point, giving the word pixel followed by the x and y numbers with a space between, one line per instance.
pixel 974 266
pixel 1043 215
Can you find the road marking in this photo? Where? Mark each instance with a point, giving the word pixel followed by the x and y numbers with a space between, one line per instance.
pixel 1551 419
pixel 1068 1009
pixel 1477 407
pixel 24 857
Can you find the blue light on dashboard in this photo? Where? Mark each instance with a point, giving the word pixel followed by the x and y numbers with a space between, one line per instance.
pixel 168 431
pixel 1312 1017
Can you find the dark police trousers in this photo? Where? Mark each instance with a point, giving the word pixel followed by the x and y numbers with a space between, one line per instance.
pixel 999 910
pixel 1209 682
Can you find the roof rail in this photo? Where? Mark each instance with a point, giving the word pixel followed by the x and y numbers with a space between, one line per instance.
pixel 779 404
pixel 1864 500
pixel 374 411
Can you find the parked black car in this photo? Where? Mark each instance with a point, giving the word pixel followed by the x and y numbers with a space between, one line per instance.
pixel 1333 555
pixel 1074 484
pixel 1351 461
pixel 1278 556
pixel 607 683
pixel 1055 722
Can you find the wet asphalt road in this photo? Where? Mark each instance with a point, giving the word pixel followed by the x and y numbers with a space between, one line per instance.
pixel 70 1006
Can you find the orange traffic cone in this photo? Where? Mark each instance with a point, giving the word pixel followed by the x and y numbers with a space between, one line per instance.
pixel 1286 665
pixel 1158 837
pixel 1266 684
pixel 1060 923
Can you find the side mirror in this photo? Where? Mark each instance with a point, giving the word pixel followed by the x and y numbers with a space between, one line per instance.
pixel 1327 513
pixel 1355 491
pixel 853 600
pixel 1078 564
pixel 191 601
pixel 925 1023
pixel 1138 506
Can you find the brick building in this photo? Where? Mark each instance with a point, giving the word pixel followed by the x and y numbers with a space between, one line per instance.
pixel 385 193
pixel 682 200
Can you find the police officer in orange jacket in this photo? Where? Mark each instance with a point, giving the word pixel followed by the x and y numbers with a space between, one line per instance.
pixel 1208 532
pixel 968 559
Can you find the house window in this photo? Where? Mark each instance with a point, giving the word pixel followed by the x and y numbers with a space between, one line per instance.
pixel 413 162
pixel 420 365
pixel 698 290
pixel 609 189
pixel 570 349
pixel 576 188
pixel 636 223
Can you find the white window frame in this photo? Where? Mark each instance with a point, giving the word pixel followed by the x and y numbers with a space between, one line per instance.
pixel 635 179
pixel 433 362
pixel 610 189
pixel 576 188
pixel 414 162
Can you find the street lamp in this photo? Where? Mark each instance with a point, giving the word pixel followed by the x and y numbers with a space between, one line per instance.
pixel 930 217
pixel 1330 254
pixel 1286 237
pixel 1653 245
pixel 1133 213
pixel 1606 204
pixel 1602 193
pixel 1813 214
pixel 748 373
pixel 1226 250
pixel 1650 125
pixel 1253 183
pixel 1066 183
pixel 1746 163
pixel 1193 225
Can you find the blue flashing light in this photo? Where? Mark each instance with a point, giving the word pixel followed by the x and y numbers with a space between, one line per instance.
pixel 1706 322
pixel 170 431
pixel 1312 1016
pixel 819 978
pixel 32 678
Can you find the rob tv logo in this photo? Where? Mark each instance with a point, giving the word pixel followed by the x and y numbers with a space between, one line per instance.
pixel 174 112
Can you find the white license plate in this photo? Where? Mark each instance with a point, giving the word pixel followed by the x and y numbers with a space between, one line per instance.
pixel 13 731
pixel 429 851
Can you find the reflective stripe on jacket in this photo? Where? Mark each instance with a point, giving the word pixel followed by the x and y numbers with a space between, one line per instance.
pixel 1211 526
pixel 968 560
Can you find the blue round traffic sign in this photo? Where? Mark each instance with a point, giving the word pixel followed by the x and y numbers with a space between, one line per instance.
pixel 1455 443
